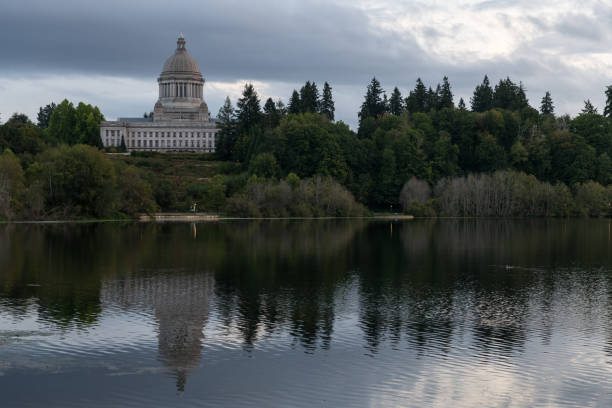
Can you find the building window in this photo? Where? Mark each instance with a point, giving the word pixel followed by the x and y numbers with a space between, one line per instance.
pixel 173 134
pixel 174 143
pixel 157 143
pixel 180 134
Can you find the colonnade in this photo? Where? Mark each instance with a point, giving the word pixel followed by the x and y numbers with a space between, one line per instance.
pixel 181 90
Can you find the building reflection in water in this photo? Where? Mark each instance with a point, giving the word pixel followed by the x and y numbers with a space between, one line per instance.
pixel 180 305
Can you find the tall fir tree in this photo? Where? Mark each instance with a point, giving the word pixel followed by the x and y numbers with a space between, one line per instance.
pixel 608 109
pixel 547 107
pixel 445 98
pixel 271 114
pixel 588 109
pixel 295 104
pixel 326 104
pixel 248 110
pixel 44 115
pixel 396 104
pixel 418 98
pixel 309 97
pixel 373 105
pixel 227 136
pixel 483 96
pixel 433 99
pixel 281 108
pixel 461 105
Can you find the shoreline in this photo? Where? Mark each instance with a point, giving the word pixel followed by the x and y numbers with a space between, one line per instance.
pixel 189 217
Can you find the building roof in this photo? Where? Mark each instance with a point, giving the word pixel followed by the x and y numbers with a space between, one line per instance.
pixel 181 62
pixel 135 120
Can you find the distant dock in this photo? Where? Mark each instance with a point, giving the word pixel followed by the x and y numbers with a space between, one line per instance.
pixel 178 217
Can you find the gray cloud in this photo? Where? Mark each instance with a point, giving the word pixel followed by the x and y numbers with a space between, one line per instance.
pixel 288 42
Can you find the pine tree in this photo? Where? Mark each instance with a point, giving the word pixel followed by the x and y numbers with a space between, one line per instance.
pixel 295 104
pixel 589 109
pixel 433 99
pixel 396 104
pixel 547 107
pixel 608 108
pixel 373 105
pixel 271 114
pixel 445 99
pixel 248 110
pixel 326 104
pixel 123 148
pixel 483 96
pixel 281 108
pixel 227 137
pixel 417 99
pixel 309 95
pixel 461 104
pixel 44 115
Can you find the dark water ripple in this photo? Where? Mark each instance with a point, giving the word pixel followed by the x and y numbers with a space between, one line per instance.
pixel 302 314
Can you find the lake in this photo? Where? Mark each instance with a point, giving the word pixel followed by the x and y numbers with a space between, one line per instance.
pixel 329 313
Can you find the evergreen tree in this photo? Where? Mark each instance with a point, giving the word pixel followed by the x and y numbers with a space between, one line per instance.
pixel 19 119
pixel 508 95
pixel 44 115
pixel 547 107
pixel 608 108
pixel 295 105
pixel 417 99
pixel 281 108
pixel 433 99
pixel 227 136
pixel 123 147
pixel 588 109
pixel 326 105
pixel 445 99
pixel 396 104
pixel 483 96
pixel 373 105
pixel 248 110
pixel 271 114
pixel 461 104
pixel 309 96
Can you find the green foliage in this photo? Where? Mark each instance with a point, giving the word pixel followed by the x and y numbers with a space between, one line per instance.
pixel 396 104
pixel 326 104
pixel 19 119
pixel 482 100
pixel 80 125
pixel 417 100
pixel 215 193
pixel 316 197
pixel 264 165
pixel 227 135
pixel 373 105
pixel 44 115
pixel 547 107
pixel 309 98
pixel 12 185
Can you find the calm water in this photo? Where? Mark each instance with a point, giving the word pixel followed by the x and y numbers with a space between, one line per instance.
pixel 307 314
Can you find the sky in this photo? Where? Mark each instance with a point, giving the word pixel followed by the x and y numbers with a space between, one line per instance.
pixel 110 53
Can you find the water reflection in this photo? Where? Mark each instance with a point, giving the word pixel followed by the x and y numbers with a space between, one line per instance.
pixel 415 313
pixel 180 305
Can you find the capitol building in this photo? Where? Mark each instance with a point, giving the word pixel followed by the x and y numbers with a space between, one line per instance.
pixel 180 121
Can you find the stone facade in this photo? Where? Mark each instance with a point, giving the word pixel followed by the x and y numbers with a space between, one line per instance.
pixel 181 121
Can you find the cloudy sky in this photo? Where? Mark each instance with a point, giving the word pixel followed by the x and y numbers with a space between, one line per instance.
pixel 109 53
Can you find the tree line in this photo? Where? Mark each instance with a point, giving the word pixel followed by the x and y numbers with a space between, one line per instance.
pixel 423 135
